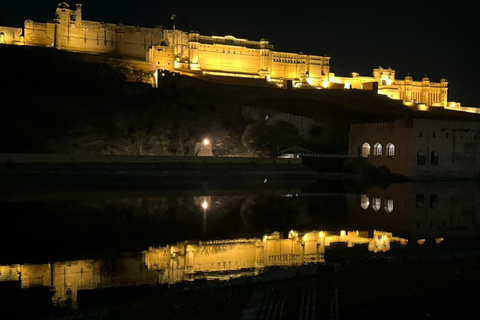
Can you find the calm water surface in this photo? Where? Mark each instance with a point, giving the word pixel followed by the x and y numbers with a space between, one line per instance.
pixel 59 243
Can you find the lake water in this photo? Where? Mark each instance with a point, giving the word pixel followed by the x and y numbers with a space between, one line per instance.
pixel 60 243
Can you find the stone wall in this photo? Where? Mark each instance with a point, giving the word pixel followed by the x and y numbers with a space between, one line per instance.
pixel 422 147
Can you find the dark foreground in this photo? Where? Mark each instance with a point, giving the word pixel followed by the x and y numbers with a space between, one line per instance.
pixel 438 286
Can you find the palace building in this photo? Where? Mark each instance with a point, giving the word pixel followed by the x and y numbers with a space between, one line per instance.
pixel 193 54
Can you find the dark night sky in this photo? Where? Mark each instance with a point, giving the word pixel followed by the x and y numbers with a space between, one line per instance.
pixel 410 37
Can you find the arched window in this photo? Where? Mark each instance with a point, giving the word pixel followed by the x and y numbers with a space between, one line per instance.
pixel 377 150
pixel 364 202
pixel 2 38
pixel 421 158
pixel 376 203
pixel 434 158
pixel 389 205
pixel 365 150
pixel 390 150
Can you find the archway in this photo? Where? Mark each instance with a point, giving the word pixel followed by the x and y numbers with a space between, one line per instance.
pixel 365 150
pixel 390 150
pixel 377 150
pixel 421 158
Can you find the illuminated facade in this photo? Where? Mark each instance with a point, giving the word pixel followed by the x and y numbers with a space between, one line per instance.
pixel 420 147
pixel 222 259
pixel 433 94
pixel 230 56
pixel 171 50
pixel 196 55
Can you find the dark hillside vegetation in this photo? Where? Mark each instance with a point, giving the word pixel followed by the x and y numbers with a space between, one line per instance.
pixel 61 102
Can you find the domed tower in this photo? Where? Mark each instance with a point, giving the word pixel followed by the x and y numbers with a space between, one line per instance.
pixel 425 90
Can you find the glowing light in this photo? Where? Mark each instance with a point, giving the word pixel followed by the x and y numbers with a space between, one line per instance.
pixel 325 84
pixel 310 81
pixel 422 107
pixel 205 204
pixel 206 141
pixel 321 234
pixel 343 233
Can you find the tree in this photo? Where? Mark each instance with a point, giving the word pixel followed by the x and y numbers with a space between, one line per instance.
pixel 273 137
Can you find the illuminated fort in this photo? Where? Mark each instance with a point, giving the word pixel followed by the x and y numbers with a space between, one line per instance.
pixel 187 261
pixel 198 55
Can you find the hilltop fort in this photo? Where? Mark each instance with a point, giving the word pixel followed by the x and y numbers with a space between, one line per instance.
pixel 192 54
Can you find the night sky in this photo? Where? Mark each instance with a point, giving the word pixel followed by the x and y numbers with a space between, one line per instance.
pixel 410 37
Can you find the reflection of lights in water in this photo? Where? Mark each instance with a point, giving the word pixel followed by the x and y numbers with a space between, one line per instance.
pixel 377 203
pixel 204 206
pixel 389 205
pixel 186 261
pixel 364 202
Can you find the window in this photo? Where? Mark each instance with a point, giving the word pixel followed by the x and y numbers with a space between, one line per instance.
pixel 377 150
pixel 364 202
pixel 390 150
pixel 420 200
pixel 2 38
pixel 389 205
pixel 434 158
pixel 376 203
pixel 365 150
pixel 421 158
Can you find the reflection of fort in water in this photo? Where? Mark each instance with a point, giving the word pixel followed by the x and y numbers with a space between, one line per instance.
pixel 413 212
pixel 221 260
pixel 419 210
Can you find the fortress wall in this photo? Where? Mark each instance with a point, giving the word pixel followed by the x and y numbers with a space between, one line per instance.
pixel 224 257
pixel 90 36
pixel 10 35
pixel 456 143
pixel 39 34
pixel 228 58
pixel 136 41
pixel 288 65
pixel 399 133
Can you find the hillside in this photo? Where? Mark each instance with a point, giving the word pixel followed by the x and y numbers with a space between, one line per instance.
pixel 60 102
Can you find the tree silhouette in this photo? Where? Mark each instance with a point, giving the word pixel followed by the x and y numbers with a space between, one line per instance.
pixel 271 137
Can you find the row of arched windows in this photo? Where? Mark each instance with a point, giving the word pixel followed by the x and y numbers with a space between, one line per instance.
pixel 376 203
pixel 422 158
pixel 378 150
